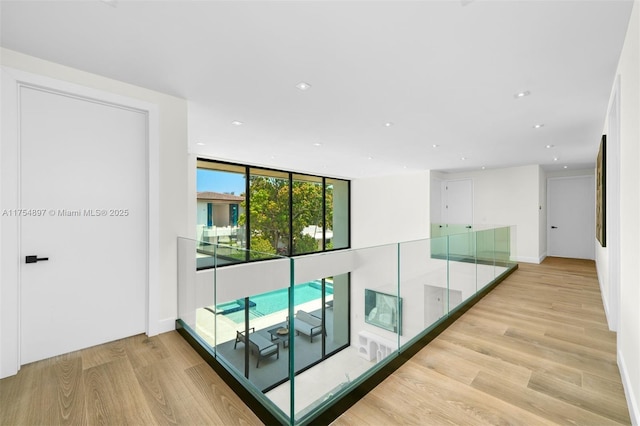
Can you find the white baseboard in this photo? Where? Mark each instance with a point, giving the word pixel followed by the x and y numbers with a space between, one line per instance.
pixel 526 259
pixel 162 326
pixel 632 401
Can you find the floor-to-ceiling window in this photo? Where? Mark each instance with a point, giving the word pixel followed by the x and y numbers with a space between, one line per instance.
pixel 308 214
pixel 269 215
pixel 249 213
pixel 221 234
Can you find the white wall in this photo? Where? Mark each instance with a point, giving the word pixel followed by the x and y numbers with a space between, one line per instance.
pixel 173 173
pixel 390 209
pixel 509 196
pixel 629 286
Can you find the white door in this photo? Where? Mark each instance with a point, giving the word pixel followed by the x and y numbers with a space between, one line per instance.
pixel 457 213
pixel 83 198
pixel 571 217
pixel 457 202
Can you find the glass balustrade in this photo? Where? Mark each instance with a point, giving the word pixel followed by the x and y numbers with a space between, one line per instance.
pixel 300 333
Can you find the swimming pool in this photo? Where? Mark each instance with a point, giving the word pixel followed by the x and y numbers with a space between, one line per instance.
pixel 273 301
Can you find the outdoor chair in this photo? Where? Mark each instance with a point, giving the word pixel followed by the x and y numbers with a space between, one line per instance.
pixel 258 344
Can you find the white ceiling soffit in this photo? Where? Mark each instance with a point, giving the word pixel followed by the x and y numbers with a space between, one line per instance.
pixel 393 86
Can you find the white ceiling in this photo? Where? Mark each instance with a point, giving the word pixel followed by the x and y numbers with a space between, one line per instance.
pixel 443 72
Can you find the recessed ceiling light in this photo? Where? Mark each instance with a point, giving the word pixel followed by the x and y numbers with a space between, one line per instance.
pixel 434 145
pixel 522 94
pixel 566 167
pixel 369 158
pixel 483 167
pixel 237 123
pixel 537 126
pixel 199 144
pixel 303 86
pixel 555 158
pixel 388 124
pixel 549 146
pixel 317 144
pixel 463 158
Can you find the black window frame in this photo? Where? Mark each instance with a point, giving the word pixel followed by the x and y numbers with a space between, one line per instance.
pixel 290 175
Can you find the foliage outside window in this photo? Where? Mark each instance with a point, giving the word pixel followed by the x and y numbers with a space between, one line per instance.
pixel 268 213
pixel 284 214
pixel 308 218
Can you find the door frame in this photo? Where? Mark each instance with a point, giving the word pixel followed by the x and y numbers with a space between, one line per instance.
pixel 611 298
pixel 559 178
pixel 10 281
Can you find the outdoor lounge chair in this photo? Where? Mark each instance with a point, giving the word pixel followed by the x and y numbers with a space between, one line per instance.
pixel 307 324
pixel 258 344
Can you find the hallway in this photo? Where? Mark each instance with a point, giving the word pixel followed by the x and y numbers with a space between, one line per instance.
pixel 536 350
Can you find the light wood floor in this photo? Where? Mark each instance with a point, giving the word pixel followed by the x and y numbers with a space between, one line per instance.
pixel 534 351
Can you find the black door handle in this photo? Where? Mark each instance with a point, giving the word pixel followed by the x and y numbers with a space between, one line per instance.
pixel 34 259
pixel 554 227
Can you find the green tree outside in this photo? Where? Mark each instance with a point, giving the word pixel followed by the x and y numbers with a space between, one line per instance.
pixel 269 213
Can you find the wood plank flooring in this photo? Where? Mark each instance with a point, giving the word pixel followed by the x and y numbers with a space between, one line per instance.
pixel 139 380
pixel 535 351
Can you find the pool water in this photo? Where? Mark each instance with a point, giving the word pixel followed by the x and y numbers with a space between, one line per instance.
pixel 273 301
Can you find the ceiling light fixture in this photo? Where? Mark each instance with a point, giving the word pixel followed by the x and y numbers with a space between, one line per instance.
pixel 566 167
pixel 388 124
pixel 369 158
pixel 537 126
pixel 317 144
pixel 237 123
pixel 199 144
pixel 303 86
pixel 522 94
pixel 483 167
pixel 555 158
pixel 463 158
pixel 549 146
pixel 434 145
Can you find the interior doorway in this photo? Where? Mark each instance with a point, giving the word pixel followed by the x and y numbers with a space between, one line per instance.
pixel 571 217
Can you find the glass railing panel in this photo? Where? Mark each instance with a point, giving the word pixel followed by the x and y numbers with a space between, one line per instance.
pixel 251 308
pixel 442 229
pixel 187 297
pixel 485 258
pixel 461 269
pixel 208 254
pixel 358 306
pixel 423 286
pixel 505 246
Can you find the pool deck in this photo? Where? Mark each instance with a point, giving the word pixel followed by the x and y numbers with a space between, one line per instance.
pixel 226 328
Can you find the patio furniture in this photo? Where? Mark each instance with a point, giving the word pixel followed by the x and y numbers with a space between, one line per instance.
pixel 307 324
pixel 258 344
pixel 280 334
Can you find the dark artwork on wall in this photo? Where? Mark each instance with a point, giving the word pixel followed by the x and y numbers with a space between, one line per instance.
pixel 601 193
